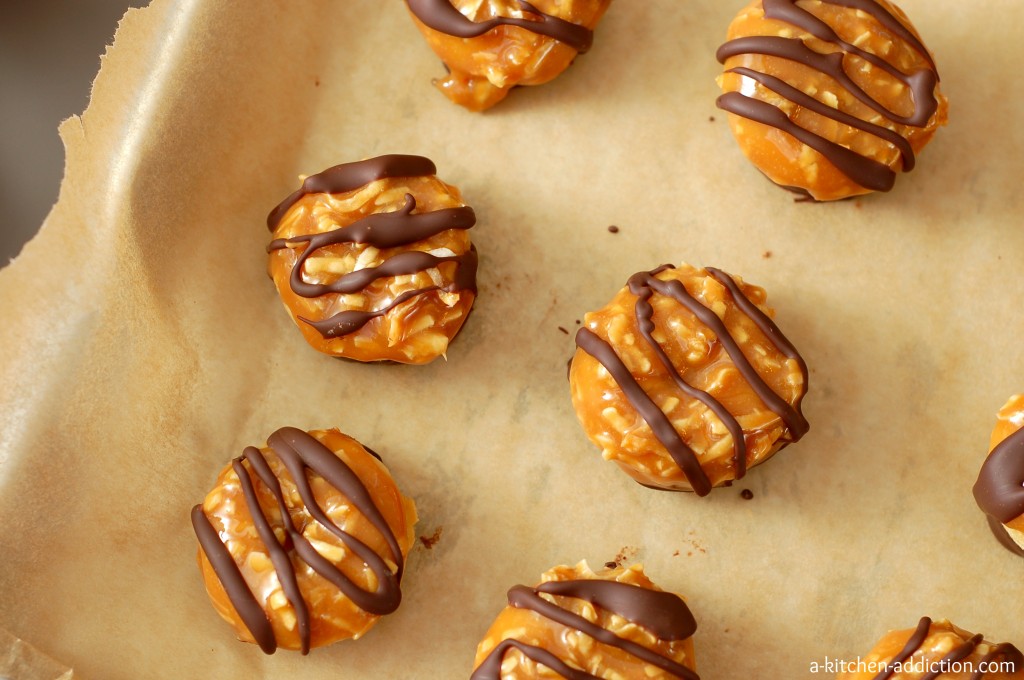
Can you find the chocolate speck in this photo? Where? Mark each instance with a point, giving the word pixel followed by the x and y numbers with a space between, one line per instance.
pixel 430 541
pixel 746 494
pixel 316 82
pixel 767 254
pixel 711 119
pixel 611 565
pixel 564 329
pixel 675 554
pixel 627 553
pixel 577 322
pixel 613 229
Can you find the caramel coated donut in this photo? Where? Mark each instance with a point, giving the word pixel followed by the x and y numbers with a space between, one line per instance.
pixel 582 625
pixel 937 650
pixel 491 46
pixel 373 260
pixel 829 98
pixel 999 490
pixel 685 381
pixel 303 542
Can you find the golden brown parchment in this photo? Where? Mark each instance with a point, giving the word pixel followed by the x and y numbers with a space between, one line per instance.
pixel 144 345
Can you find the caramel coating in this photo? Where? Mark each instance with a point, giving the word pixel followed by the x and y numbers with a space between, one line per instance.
pixel 347 555
pixel 936 650
pixel 700 400
pixel 876 93
pixel 632 647
pixel 408 315
pixel 483 69
pixel 1009 422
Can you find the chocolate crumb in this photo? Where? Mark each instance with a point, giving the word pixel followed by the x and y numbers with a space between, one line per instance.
pixel 577 322
pixel 711 119
pixel 675 554
pixel 611 565
pixel 564 329
pixel 430 541
pixel 746 494
pixel 613 229
pixel 767 254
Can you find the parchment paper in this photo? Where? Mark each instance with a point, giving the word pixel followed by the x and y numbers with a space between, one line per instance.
pixel 144 345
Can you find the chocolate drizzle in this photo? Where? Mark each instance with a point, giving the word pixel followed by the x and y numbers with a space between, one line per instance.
pixel 380 230
pixel 351 176
pixel 999 490
pixel 663 614
pixel 959 653
pixel 644 285
pixel 1003 536
pixel 300 453
pixel 443 16
pixel 864 171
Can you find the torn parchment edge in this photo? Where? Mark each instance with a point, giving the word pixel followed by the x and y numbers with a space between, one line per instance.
pixel 21 661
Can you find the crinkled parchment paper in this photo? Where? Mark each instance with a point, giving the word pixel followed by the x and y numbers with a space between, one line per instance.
pixel 144 345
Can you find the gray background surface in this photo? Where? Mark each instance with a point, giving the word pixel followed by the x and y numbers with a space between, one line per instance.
pixel 49 54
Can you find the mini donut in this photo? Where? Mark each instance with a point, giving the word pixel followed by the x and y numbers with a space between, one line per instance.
pixel 829 98
pixel 373 260
pixel 492 46
pixel 303 543
pixel 937 650
pixel 581 625
pixel 999 490
pixel 685 381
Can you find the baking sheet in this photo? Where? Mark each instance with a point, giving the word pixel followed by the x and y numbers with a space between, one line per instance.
pixel 144 345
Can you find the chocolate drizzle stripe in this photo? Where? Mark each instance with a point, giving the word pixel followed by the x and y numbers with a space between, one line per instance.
pixel 644 285
pixel 1005 650
pixel 1008 653
pixel 1004 538
pixel 999 490
pixel 301 545
pixel 241 598
pixel 382 231
pixel 401 264
pixel 675 290
pixel 443 16
pixel 659 423
pixel 913 644
pixel 810 103
pixel 922 82
pixel 956 654
pixel 866 172
pixel 639 285
pixel 787 10
pixel 390 229
pixel 490 667
pixel 278 555
pixel 791 415
pixel 663 614
pixel 352 320
pixel 351 176
pixel 300 452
